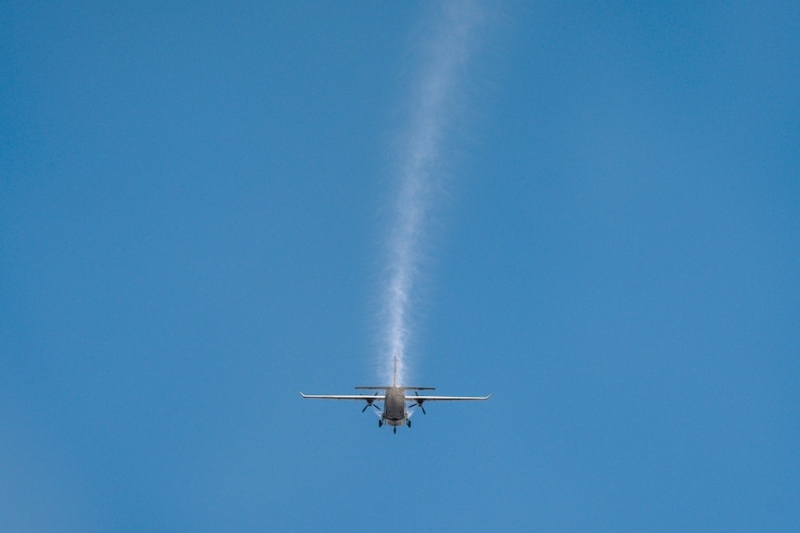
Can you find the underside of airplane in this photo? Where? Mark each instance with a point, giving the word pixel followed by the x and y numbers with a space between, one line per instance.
pixel 397 405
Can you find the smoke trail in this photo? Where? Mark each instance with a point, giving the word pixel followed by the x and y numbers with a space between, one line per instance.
pixel 420 145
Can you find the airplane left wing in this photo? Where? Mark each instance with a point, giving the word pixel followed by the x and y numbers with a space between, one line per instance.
pixel 363 397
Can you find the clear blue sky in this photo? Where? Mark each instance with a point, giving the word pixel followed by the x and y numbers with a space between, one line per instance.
pixel 192 212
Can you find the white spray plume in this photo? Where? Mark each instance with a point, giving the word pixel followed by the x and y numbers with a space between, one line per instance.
pixel 432 110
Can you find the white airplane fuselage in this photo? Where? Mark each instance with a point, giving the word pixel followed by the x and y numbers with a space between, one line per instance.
pixel 394 407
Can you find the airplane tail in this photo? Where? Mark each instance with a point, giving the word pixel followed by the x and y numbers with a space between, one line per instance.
pixel 394 383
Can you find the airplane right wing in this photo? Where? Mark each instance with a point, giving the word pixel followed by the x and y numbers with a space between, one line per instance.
pixel 420 399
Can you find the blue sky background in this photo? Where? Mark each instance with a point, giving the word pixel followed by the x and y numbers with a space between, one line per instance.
pixel 192 211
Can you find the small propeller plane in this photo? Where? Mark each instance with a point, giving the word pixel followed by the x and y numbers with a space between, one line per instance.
pixel 395 412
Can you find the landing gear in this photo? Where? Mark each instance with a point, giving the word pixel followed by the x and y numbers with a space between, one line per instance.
pixel 408 422
pixel 380 423
pixel 395 430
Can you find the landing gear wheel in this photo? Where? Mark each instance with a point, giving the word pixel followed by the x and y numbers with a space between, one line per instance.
pixel 408 422
pixel 380 423
pixel 395 430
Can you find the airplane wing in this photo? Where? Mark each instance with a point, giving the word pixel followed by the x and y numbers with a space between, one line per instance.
pixel 420 399
pixel 363 397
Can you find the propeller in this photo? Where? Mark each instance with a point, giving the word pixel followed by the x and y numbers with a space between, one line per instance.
pixel 419 403
pixel 370 402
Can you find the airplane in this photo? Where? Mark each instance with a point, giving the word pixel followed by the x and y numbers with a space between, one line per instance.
pixel 394 400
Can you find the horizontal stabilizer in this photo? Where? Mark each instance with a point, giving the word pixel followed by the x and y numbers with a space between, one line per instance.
pixel 385 387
